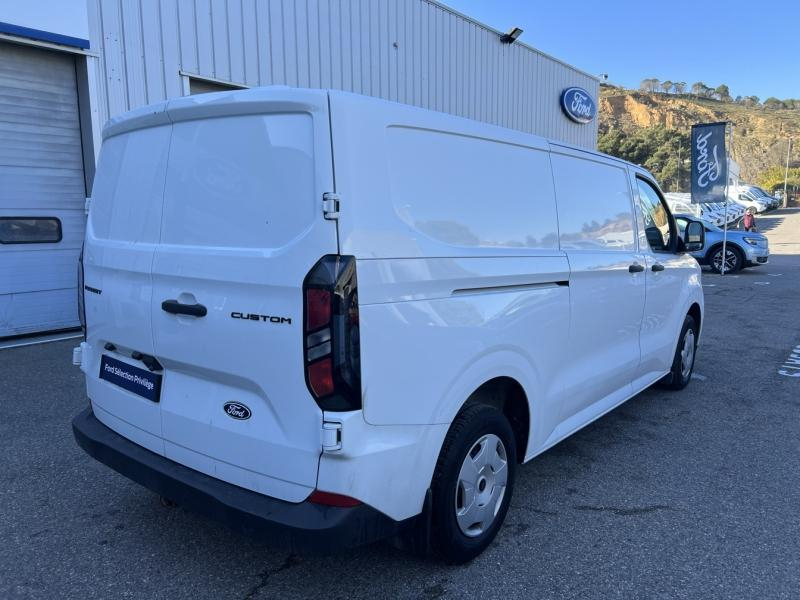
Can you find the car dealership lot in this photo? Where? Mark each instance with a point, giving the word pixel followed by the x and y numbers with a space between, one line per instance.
pixel 691 494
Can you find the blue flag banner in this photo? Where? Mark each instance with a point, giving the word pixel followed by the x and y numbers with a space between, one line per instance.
pixel 709 162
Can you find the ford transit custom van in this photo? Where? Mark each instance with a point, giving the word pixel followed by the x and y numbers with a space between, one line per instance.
pixel 326 319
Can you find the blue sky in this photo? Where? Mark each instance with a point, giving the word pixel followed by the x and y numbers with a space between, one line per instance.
pixel 753 47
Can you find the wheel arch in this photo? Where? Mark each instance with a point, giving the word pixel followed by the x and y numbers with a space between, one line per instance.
pixel 507 395
pixel 697 314
pixel 718 245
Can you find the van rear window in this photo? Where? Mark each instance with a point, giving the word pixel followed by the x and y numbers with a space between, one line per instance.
pixel 241 181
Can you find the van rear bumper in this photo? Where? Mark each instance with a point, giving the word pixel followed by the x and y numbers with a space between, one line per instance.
pixel 305 527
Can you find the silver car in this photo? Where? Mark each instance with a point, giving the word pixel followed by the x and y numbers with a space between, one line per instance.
pixel 743 249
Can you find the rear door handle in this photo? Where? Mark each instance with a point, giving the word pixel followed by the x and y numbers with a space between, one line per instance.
pixel 635 268
pixel 176 308
pixel 657 267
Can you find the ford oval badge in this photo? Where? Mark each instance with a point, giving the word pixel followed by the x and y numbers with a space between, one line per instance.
pixel 237 410
pixel 578 105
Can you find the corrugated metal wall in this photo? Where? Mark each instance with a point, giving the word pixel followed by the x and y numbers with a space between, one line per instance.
pixel 413 51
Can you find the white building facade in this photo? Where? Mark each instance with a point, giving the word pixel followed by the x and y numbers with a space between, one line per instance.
pixel 67 66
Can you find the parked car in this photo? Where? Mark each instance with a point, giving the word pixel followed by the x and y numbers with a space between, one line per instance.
pixel 748 200
pixel 772 201
pixel 734 211
pixel 699 210
pixel 332 352
pixel 742 249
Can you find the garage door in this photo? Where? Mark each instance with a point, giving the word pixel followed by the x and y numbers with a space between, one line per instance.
pixel 42 190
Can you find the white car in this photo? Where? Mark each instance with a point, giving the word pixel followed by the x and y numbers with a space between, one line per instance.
pixel 749 200
pixel 327 319
pixel 763 196
pixel 733 212
pixel 701 211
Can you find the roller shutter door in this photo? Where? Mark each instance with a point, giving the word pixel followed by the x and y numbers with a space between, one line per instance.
pixel 42 190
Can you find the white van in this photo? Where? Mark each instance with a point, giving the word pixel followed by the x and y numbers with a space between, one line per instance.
pixel 326 319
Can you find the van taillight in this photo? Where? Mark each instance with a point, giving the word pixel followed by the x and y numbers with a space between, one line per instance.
pixel 330 330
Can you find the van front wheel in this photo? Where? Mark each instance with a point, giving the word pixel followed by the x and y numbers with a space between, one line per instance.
pixel 473 483
pixel 683 361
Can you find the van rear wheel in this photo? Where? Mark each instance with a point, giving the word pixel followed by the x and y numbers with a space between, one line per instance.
pixel 473 483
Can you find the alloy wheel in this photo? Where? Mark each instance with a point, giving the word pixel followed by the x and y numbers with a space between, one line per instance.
pixel 731 260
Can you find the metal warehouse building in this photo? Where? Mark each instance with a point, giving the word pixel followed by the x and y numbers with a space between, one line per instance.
pixel 67 66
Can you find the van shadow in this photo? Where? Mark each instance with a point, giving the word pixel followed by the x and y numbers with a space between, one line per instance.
pixel 562 484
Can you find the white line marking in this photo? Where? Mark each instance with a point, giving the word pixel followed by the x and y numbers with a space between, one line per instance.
pixel 699 377
pixel 39 340
pixel 709 285
pixel 791 367
pixel 761 283
pixel 774 274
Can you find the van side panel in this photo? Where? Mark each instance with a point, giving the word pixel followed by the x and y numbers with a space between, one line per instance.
pixel 473 320
pixel 460 277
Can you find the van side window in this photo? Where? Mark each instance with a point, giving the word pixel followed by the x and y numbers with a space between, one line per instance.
pixel 595 211
pixel 656 218
pixel 477 193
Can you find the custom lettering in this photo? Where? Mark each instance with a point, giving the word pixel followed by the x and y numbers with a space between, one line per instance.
pixel 264 318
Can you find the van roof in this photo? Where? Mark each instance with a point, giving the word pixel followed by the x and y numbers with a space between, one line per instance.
pixel 217 104
pixel 284 98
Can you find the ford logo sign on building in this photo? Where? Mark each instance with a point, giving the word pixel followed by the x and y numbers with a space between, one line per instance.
pixel 237 410
pixel 578 105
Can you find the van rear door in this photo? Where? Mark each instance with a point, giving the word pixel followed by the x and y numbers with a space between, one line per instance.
pixel 121 236
pixel 242 225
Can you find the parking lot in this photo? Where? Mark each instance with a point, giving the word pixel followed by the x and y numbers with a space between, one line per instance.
pixel 674 495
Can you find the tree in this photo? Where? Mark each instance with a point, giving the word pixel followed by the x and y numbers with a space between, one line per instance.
pixel 663 151
pixel 773 103
pixel 679 87
pixel 700 89
pixel 772 178
pixel 649 85
pixel 723 93
pixel 666 86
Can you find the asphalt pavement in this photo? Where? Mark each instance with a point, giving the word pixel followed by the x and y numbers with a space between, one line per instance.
pixel 694 494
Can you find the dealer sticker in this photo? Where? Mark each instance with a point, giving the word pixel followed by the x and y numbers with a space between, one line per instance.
pixel 139 381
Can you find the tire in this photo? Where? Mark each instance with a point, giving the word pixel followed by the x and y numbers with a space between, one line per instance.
pixel 735 259
pixel 460 530
pixel 683 362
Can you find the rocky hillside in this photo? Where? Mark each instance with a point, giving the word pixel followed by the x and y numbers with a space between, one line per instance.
pixel 759 136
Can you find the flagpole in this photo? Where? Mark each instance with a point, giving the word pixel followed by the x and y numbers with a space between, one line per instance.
pixel 725 228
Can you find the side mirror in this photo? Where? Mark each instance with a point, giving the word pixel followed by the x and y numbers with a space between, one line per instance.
pixel 695 236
